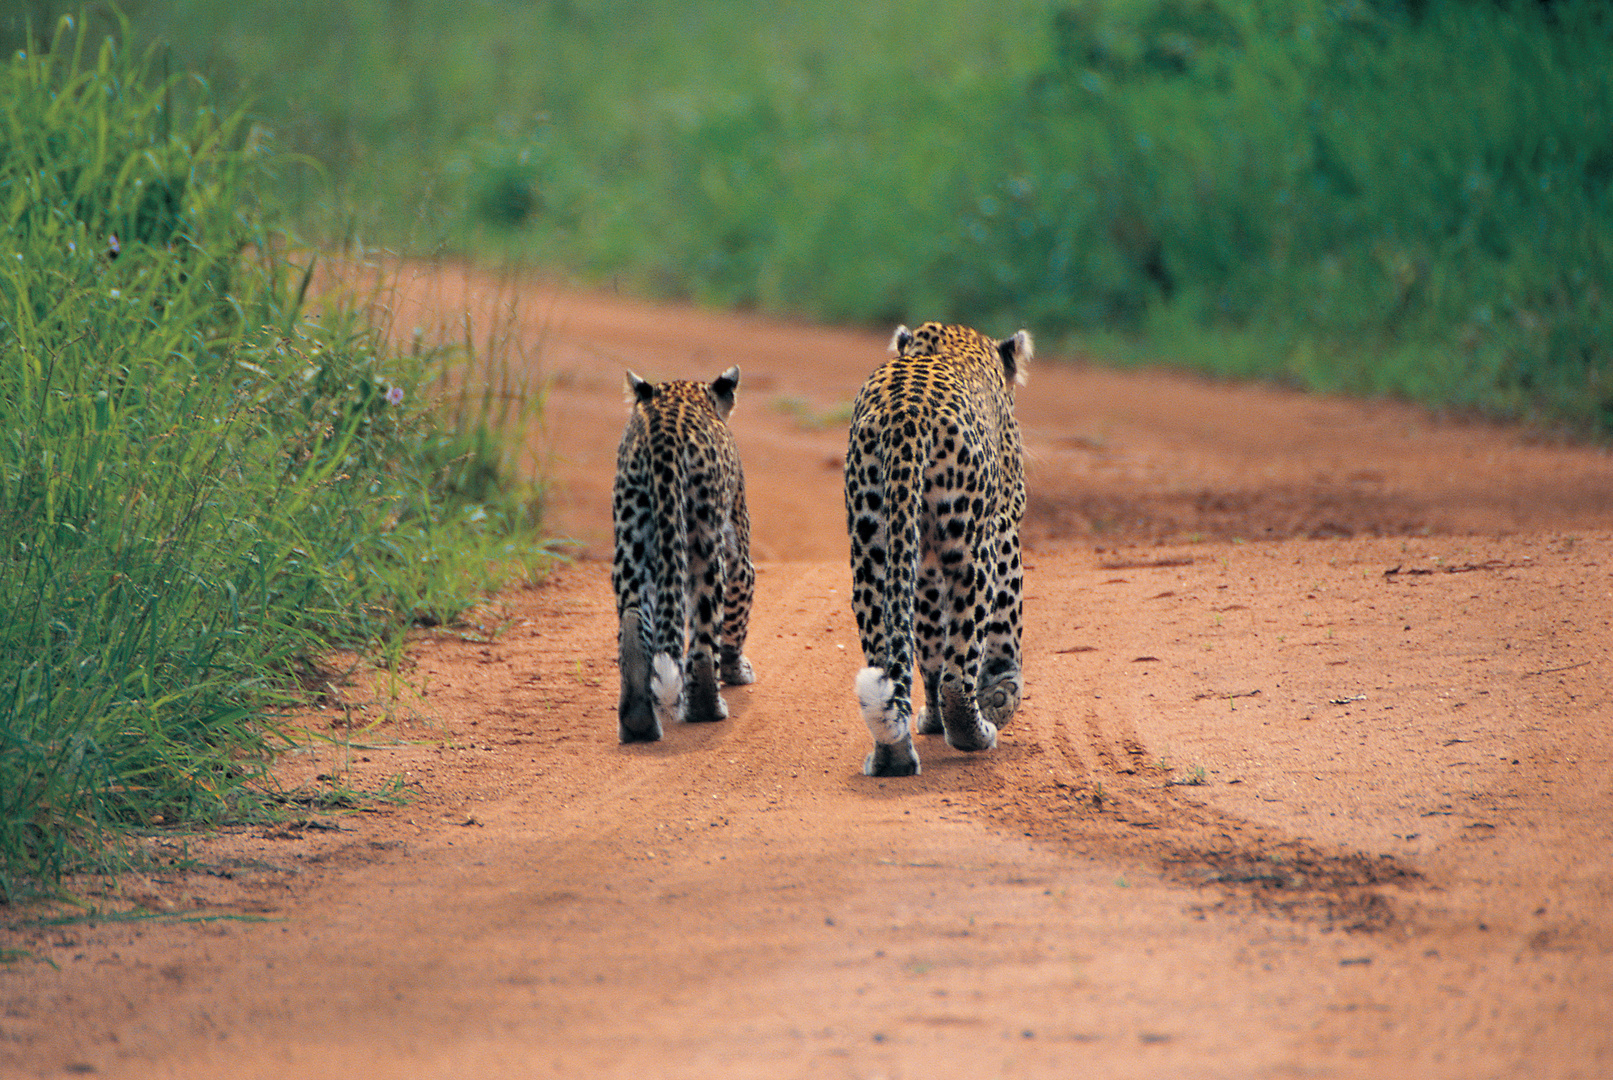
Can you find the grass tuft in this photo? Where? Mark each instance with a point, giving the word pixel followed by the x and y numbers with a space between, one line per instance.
pixel 209 476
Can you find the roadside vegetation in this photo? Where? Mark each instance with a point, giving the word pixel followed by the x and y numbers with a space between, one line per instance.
pixel 1406 197
pixel 209 477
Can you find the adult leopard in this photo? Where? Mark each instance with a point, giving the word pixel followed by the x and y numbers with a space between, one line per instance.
pixel 935 492
pixel 682 567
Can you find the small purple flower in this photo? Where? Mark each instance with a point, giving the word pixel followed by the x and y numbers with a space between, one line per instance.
pixel 112 246
pixel 394 395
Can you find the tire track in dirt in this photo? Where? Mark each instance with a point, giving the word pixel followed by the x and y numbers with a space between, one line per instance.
pixel 1106 794
pixel 1104 790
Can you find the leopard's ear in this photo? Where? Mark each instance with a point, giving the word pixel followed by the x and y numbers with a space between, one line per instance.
pixel 1016 353
pixel 722 391
pixel 637 389
pixel 900 340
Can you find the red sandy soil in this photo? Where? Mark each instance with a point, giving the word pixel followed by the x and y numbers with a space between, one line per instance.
pixel 1379 640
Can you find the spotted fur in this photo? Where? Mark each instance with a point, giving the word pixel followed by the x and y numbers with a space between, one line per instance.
pixel 682 569
pixel 935 492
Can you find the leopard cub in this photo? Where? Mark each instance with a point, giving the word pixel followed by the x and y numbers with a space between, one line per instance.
pixel 682 570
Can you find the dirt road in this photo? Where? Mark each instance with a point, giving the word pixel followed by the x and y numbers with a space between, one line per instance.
pixel 1314 777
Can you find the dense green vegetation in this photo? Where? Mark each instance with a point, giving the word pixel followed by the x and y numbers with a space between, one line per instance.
pixel 207 479
pixel 1370 195
pixel 1347 198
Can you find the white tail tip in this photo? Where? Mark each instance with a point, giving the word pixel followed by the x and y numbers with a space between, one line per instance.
pixel 874 690
pixel 874 696
pixel 666 686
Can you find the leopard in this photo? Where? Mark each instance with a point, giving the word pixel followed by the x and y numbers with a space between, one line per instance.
pixel 681 568
pixel 935 496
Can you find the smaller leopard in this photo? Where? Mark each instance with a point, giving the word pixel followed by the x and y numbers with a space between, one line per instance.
pixel 935 493
pixel 682 568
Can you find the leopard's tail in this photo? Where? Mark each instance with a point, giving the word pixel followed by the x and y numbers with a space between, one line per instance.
pixel 669 470
pixel 891 553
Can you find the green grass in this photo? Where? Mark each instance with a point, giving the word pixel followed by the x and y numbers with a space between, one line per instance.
pixel 1348 199
pixel 208 477
pixel 1372 196
pixel 1355 195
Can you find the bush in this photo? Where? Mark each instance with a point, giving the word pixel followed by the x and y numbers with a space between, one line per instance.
pixel 1325 194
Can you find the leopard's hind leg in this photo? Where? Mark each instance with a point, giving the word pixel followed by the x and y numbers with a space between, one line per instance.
pixel 706 586
pixel 966 581
pixel 930 635
pixel 739 589
pixel 636 715
pixel 1002 681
